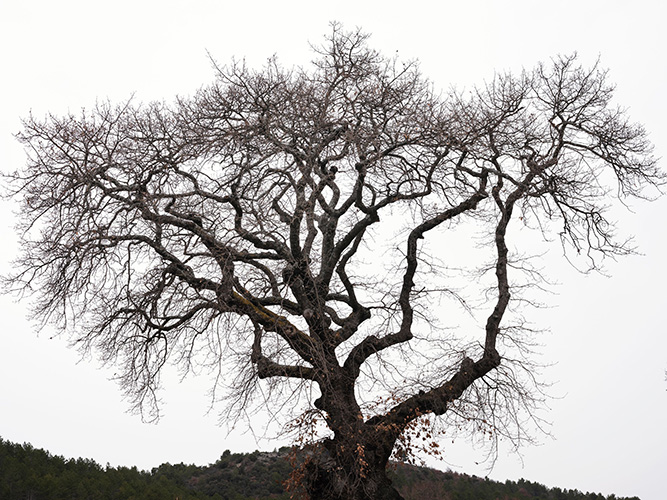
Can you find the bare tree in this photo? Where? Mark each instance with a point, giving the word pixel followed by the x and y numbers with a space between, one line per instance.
pixel 282 227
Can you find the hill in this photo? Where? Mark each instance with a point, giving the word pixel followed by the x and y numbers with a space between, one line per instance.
pixel 35 474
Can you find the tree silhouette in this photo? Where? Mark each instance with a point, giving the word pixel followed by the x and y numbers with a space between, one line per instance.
pixel 282 225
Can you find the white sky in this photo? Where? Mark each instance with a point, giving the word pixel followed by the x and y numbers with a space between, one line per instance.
pixel 607 334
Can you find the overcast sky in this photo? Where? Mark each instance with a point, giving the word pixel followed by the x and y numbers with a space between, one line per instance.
pixel 608 335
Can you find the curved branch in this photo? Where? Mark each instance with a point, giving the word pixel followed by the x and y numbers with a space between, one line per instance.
pixel 372 344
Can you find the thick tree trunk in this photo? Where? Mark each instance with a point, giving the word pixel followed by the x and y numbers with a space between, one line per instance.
pixel 338 472
pixel 331 485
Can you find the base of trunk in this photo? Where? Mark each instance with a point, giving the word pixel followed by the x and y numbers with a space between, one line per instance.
pixel 323 478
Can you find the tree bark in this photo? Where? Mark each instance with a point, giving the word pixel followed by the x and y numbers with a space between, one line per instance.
pixel 336 471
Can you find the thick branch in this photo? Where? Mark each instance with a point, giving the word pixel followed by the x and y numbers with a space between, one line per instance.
pixel 372 344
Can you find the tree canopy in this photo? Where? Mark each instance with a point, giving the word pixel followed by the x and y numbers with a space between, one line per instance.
pixel 294 226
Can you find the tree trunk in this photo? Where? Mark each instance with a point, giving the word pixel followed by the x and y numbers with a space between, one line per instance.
pixel 337 472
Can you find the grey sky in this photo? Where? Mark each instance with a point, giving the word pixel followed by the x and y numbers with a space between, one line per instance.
pixel 608 337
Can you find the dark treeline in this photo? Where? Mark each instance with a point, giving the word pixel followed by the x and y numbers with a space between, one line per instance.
pixel 27 473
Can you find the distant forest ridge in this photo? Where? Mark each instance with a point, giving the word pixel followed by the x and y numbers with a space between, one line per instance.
pixel 30 473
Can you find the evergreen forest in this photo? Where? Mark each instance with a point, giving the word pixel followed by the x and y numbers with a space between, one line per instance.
pixel 28 473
